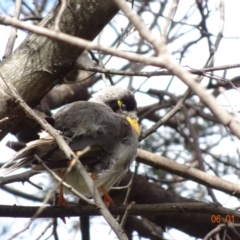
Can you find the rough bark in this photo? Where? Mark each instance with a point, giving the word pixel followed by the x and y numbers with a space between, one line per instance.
pixel 196 224
pixel 41 63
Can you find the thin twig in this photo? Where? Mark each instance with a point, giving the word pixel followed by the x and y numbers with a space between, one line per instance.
pixel 164 119
pixel 221 226
pixel 130 184
pixel 197 149
pixel 63 4
pixel 169 17
pixel 45 229
pixel 127 212
pixel 60 181
pixel 139 25
pixel 22 177
pixel 152 73
pixel 4 119
pixel 54 231
pixel 34 185
pixel 21 231
pixel 129 188
pixel 13 33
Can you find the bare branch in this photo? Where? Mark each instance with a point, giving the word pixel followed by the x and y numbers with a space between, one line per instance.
pixel 154 73
pixel 13 33
pixel 59 15
pixel 79 42
pixel 193 174
pixel 136 209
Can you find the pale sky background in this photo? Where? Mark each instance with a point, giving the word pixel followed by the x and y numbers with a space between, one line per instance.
pixel 228 53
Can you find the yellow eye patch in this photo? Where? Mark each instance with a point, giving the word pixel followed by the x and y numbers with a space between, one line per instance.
pixel 120 104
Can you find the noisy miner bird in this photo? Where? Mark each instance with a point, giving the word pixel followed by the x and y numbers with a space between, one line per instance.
pixel 107 123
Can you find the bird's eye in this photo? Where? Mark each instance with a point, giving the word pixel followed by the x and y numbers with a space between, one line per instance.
pixel 117 105
pixel 124 107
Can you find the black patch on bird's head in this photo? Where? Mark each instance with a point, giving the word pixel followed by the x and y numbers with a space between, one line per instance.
pixel 117 98
pixel 126 103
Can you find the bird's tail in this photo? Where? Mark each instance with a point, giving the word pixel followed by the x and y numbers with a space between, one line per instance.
pixel 25 156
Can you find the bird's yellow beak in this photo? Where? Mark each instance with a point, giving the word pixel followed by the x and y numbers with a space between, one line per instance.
pixel 134 124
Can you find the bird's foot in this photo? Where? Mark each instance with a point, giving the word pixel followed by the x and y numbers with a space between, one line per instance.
pixel 61 200
pixel 106 197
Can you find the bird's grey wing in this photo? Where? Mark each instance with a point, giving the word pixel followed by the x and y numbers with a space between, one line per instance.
pixel 90 119
pixel 85 124
pixel 88 125
pixel 56 158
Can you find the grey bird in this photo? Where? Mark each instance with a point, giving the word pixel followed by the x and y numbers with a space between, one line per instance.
pixel 107 123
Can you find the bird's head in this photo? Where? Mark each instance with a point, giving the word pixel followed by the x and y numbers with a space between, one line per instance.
pixel 121 101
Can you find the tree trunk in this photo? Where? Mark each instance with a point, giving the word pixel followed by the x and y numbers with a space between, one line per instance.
pixel 40 63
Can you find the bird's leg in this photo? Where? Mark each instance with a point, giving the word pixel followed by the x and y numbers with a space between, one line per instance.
pixel 61 199
pixel 106 197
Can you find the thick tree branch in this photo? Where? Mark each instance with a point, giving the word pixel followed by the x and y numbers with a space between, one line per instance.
pixel 40 63
pixel 159 162
pixel 144 192
pixel 137 209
